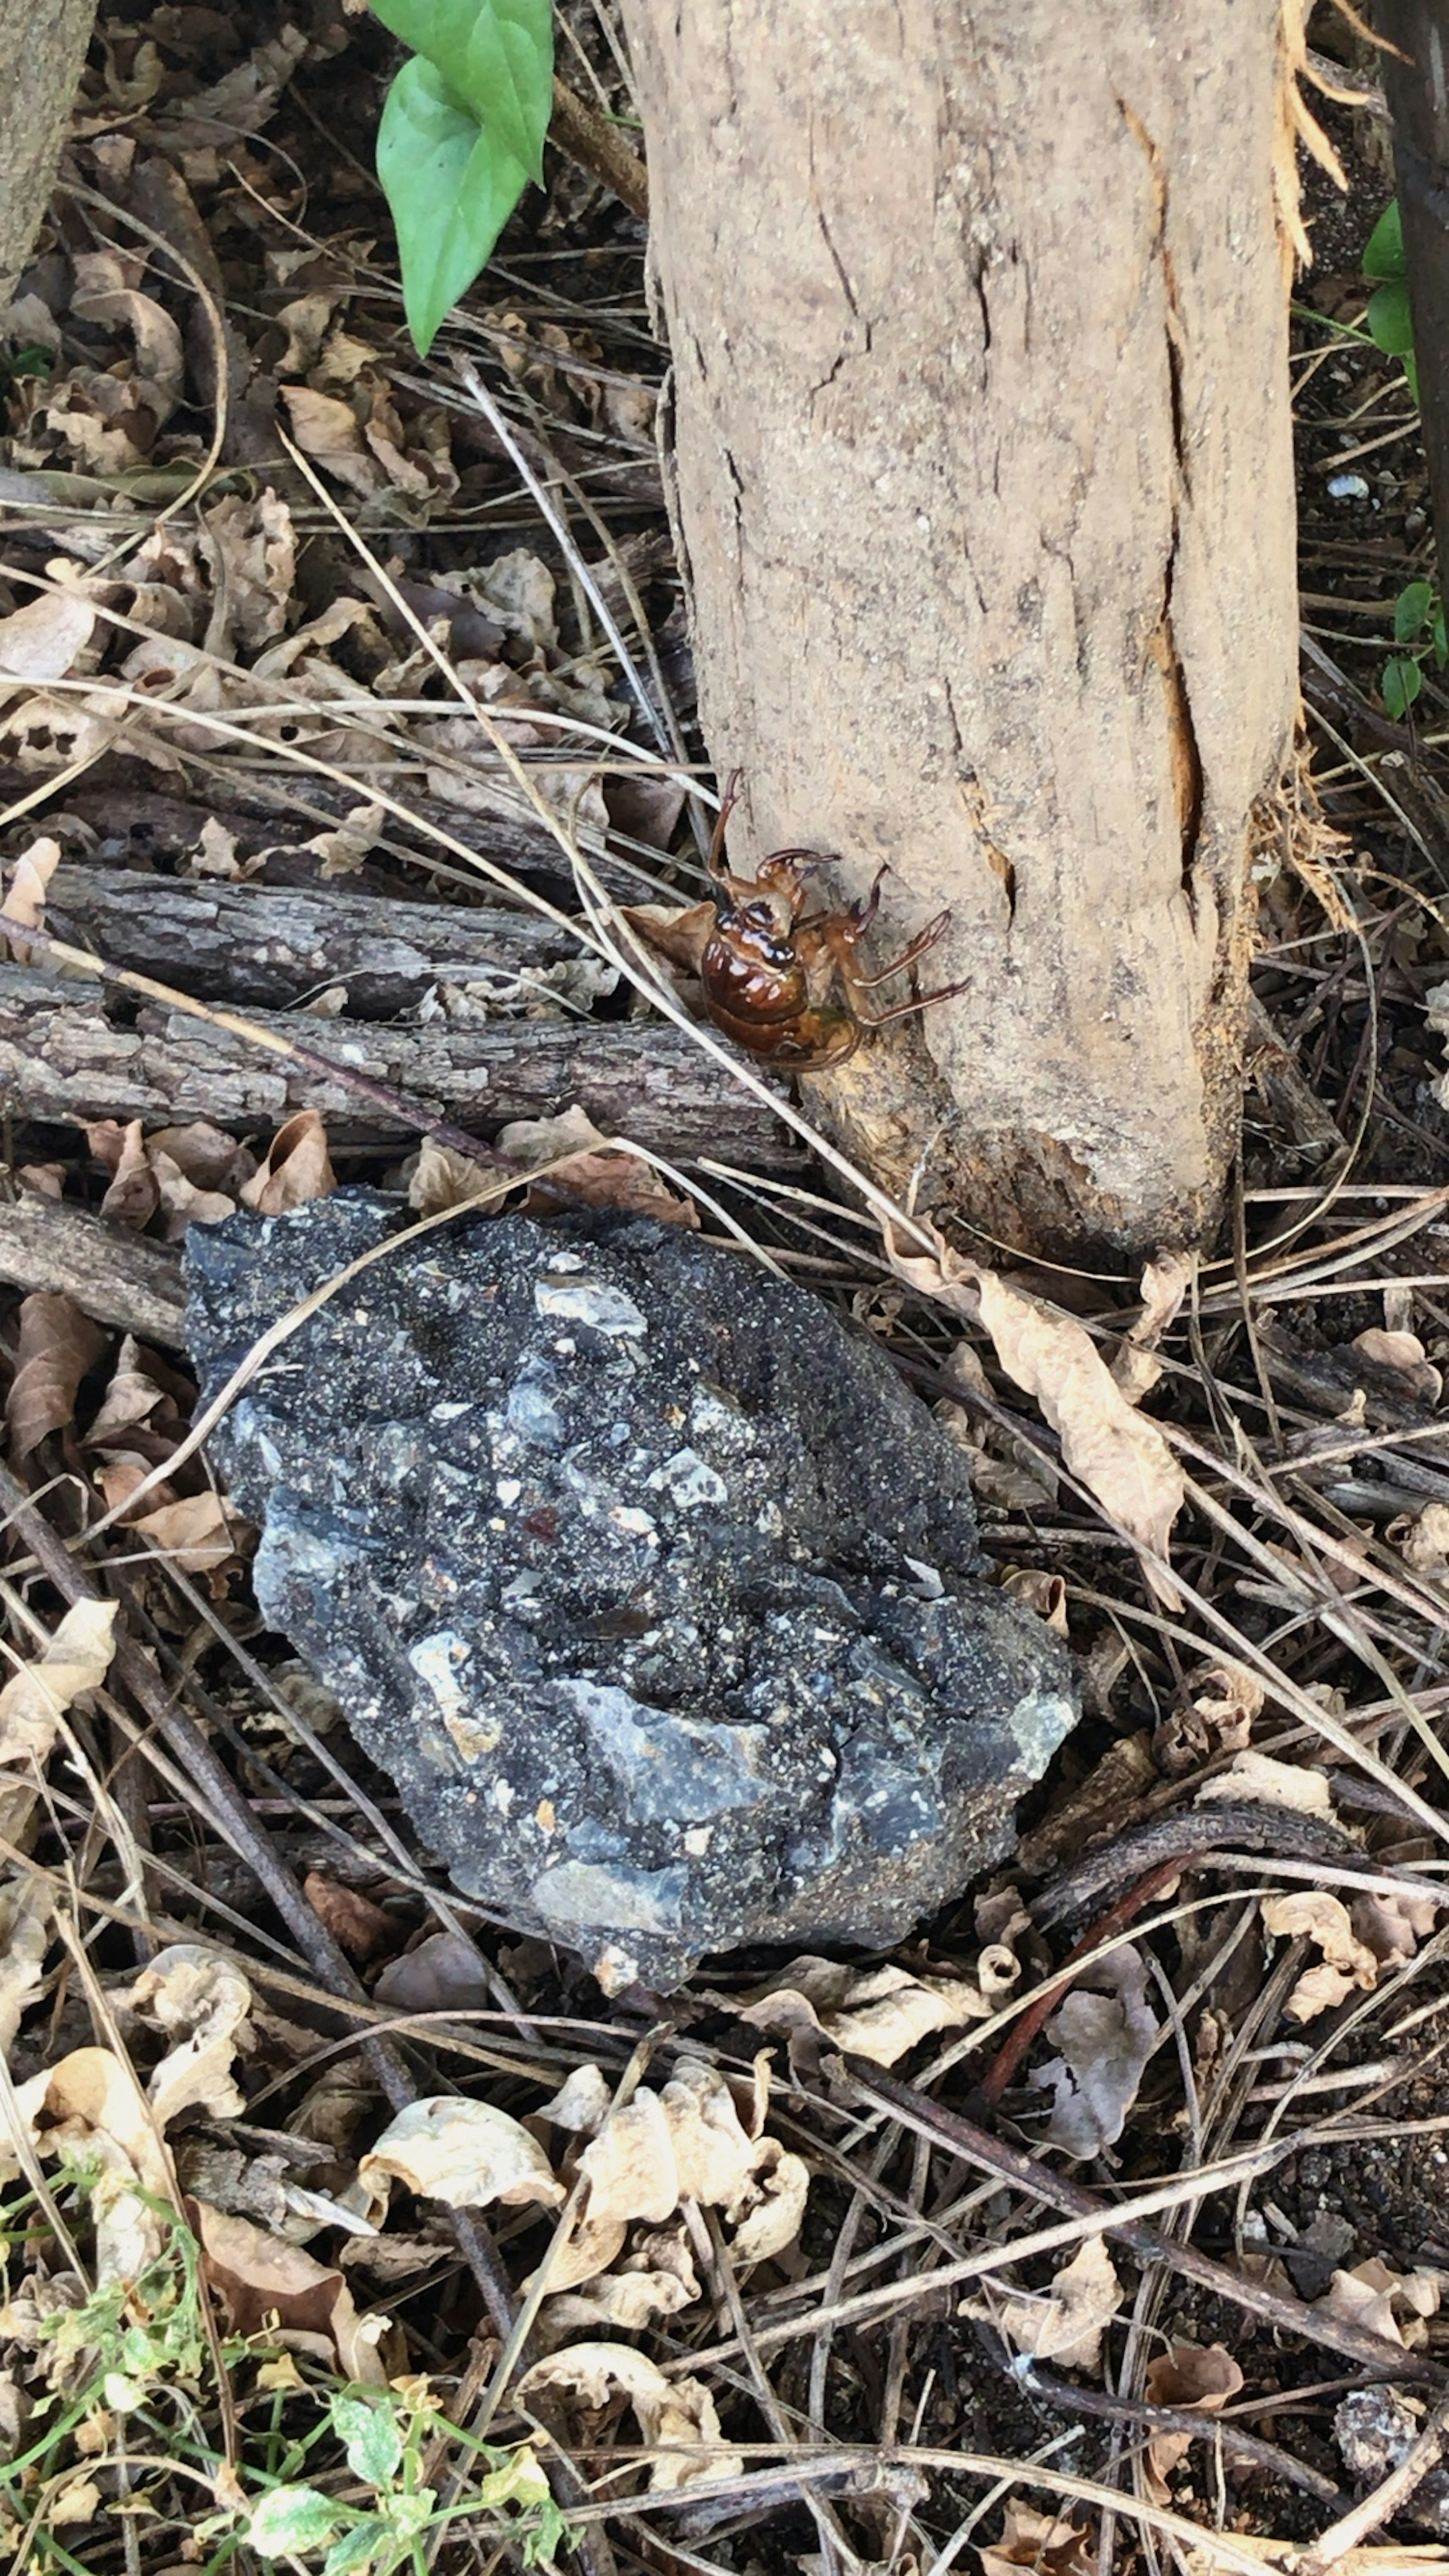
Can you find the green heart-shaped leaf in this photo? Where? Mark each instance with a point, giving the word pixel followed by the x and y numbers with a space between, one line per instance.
pixel 452 187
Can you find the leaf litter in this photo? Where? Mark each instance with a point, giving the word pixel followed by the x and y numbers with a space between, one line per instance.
pixel 253 2297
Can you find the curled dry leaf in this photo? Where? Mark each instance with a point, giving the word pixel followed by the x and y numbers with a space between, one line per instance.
pixel 1396 2305
pixel 25 894
pixel 1266 1783
pixel 1165 1283
pixel 270 2287
pixel 1425 1541
pixel 202 2003
pixel 441 1178
pixel 466 2153
pixel 1226 1700
pixel 297 1168
pixel 1105 2034
pixel 629 2300
pixel 1066 2322
pixel 55 1348
pixel 90 2109
pixel 35 1699
pixel 1042 1592
pixel 679 2415
pixel 661 2149
pixel 1123 1459
pixel 1048 2545
pixel 1309 1914
pixel 587 1167
pixel 1198 2380
pixel 149 1177
pixel 876 2013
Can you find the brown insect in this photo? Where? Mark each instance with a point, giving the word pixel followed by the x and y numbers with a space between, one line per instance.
pixel 781 981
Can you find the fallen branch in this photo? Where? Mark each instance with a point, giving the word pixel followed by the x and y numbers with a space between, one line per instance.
pixel 117 1276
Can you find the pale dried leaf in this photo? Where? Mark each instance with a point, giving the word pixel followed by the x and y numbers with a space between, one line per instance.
pixel 1310 1914
pixel 197 1533
pixel 630 2164
pixel 325 429
pixel 466 2153
pixel 1047 2544
pixel 1066 2322
pixel 1425 1542
pixel 582 2101
pixel 215 852
pixel 90 2108
pixel 1122 1458
pixel 1042 1592
pixel 876 2013
pixel 26 1906
pixel 1105 2033
pixel 35 1699
pixel 1392 1926
pixel 679 2412
pixel 1318 1990
pixel 1257 1778
pixel 442 1178
pixel 1405 1354
pixel 297 1168
pixel 55 1348
pixel 629 2301
pixel 348 845
pixel 768 2215
pixel 43 640
pixel 202 2003
pixel 1375 2296
pixel 25 894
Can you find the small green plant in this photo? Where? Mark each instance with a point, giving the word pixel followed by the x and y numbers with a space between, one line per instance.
pixel 1390 319
pixel 1419 632
pixel 384 2436
pixel 461 135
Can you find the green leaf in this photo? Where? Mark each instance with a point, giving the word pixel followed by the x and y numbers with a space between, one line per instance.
pixel 451 188
pixel 291 2519
pixel 1400 685
pixel 1411 611
pixel 358 2550
pixel 1384 256
pixel 1390 322
pixel 496 59
pixel 373 2442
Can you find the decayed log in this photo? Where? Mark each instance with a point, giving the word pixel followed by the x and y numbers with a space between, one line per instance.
pixel 112 1273
pixel 67 1054
pixel 269 947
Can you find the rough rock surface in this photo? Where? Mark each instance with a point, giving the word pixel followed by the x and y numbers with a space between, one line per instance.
pixel 648 1583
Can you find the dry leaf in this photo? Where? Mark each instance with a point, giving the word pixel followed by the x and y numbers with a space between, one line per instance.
pixel 273 2289
pixel 202 2003
pixel 35 1699
pixel 1310 1914
pixel 357 1925
pixel 442 1178
pixel 42 640
pixel 445 1973
pixel 198 1533
pixel 26 1906
pixel 1263 1782
pixel 669 2412
pixel 25 894
pixel 56 1347
pixel 147 1176
pixel 1108 1795
pixel 1122 1458
pixel 628 2300
pixel 877 2013
pixel 1392 1926
pixel 592 1172
pixel 1396 2305
pixel 1425 1541
pixel 326 430
pixel 1047 2544
pixel 297 1168
pixel 1044 1593
pixel 1065 2323
pixel 466 2153
pixel 1196 2379
pixel 1405 1354
pixel 1226 1701
pixel 1105 2033
pixel 1165 1283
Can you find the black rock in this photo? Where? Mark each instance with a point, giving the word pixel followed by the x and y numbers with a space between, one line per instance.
pixel 650 1584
